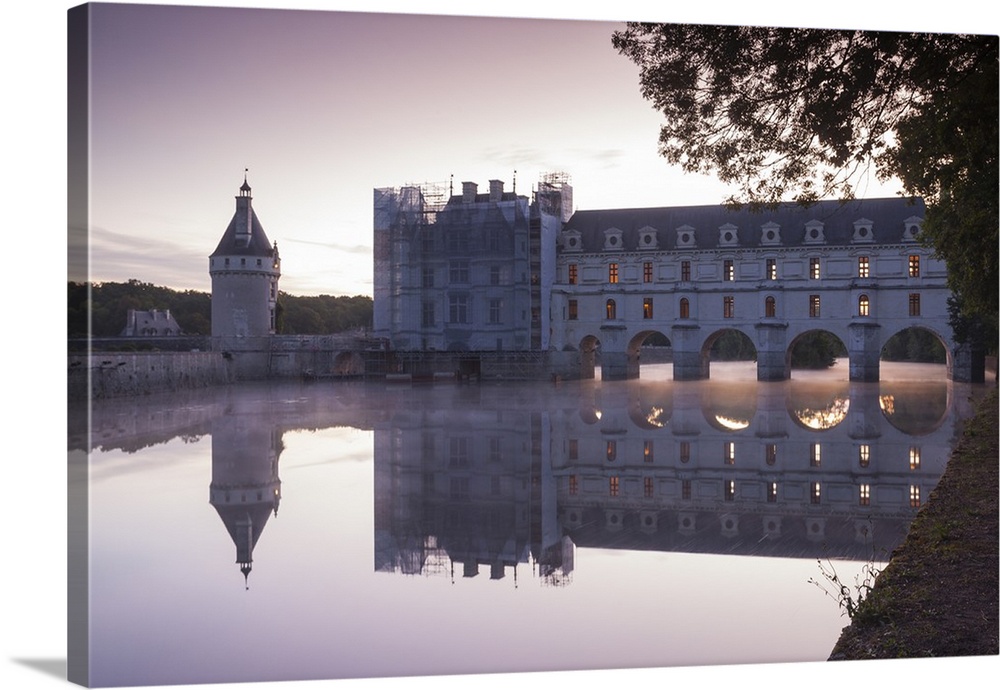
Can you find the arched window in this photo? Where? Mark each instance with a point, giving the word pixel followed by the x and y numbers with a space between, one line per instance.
pixel 769 306
pixel 685 308
pixel 863 305
pixel 611 309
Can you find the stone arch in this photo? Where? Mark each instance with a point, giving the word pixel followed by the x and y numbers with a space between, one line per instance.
pixel 348 363
pixel 635 344
pixel 891 337
pixel 840 346
pixel 590 354
pixel 705 354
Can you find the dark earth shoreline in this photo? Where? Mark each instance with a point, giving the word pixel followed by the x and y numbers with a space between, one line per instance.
pixel 938 595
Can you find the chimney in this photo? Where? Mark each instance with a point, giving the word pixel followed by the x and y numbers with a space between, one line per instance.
pixel 469 190
pixel 496 190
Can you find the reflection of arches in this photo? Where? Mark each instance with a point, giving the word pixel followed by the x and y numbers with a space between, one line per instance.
pixel 729 406
pixel 348 364
pixel 916 408
pixel 818 406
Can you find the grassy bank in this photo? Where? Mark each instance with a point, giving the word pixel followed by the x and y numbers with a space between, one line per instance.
pixel 938 595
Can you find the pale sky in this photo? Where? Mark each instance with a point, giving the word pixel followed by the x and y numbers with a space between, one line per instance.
pixel 322 107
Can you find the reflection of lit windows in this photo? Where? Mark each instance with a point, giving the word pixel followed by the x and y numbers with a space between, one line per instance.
pixel 729 453
pixel 814 306
pixel 814 492
pixel 914 266
pixel 914 496
pixel 610 309
pixel 863 271
pixel 574 485
pixel 685 451
pixel 574 449
pixel 864 494
pixel 685 308
pixel 686 489
pixel 728 304
pixel 728 270
pixel 771 453
pixel 647 487
pixel 612 451
pixel 914 304
pixel 647 451
pixel 685 270
pixel 572 274
pixel 772 492
pixel 647 307
pixel 612 273
pixel 864 455
pixel 769 309
pixel 814 268
pixel 914 457
pixel 647 272
pixel 730 489
pixel 815 455
pixel 612 486
pixel 863 305
pixel 772 269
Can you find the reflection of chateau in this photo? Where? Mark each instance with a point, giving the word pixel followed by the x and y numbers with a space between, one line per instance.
pixel 778 469
pixel 245 488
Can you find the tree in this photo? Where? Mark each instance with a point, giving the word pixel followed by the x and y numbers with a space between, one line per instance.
pixel 804 114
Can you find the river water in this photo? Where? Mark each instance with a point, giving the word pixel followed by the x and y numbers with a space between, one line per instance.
pixel 292 531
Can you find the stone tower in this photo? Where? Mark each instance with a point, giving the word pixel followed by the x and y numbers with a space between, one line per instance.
pixel 245 268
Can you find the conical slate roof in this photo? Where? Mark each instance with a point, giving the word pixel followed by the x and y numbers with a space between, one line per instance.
pixel 231 243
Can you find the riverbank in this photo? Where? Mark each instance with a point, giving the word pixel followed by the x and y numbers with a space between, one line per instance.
pixel 938 595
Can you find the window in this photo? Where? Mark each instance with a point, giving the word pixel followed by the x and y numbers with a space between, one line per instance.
pixel 685 308
pixel 814 306
pixel 494 275
pixel 862 267
pixel 864 455
pixel 914 457
pixel 427 244
pixel 685 270
pixel 496 309
pixel 864 495
pixel 772 269
pixel 647 451
pixel 572 274
pixel 427 314
pixel 729 487
pixel 914 496
pixel 914 304
pixel 427 277
pixel 458 241
pixel 814 492
pixel 863 305
pixel 612 273
pixel 814 268
pixel 573 310
pixel 815 455
pixel 574 485
pixel 647 307
pixel 458 452
pixel 729 453
pixel 611 451
pixel 728 270
pixel 458 272
pixel 610 309
pixel 612 486
pixel 647 487
pixel 771 453
pixel 458 309
pixel 685 451
pixel 914 266
pixel 686 489
pixel 772 492
pixel 647 272
pixel 258 262
pixel 728 304
pixel 769 308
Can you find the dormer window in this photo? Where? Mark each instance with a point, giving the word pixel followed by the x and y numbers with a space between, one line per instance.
pixel 911 228
pixel 612 239
pixel 685 236
pixel 770 234
pixel 863 231
pixel 647 238
pixel 814 232
pixel 728 235
pixel 571 241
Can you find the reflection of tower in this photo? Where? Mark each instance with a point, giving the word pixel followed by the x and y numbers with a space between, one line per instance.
pixel 245 488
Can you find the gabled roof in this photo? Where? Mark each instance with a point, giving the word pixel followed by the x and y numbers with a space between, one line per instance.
pixel 887 216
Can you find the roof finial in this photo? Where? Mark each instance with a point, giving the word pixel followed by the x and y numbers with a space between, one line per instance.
pixel 245 189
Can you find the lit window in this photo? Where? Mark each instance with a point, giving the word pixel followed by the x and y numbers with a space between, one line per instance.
pixel 729 453
pixel 914 496
pixel 611 451
pixel 814 492
pixel 729 487
pixel 728 306
pixel 771 453
pixel 814 268
pixel 772 269
pixel 772 492
pixel 572 274
pixel 685 308
pixel 864 455
pixel 611 311
pixel 574 485
pixel 814 306
pixel 914 266
pixel 647 272
pixel 647 487
pixel 862 267
pixel 914 457
pixel 914 304
pixel 769 309
pixel 815 455
pixel 863 305
pixel 864 494
pixel 612 486
pixel 647 307
pixel 685 270
pixel 728 270
pixel 612 273
pixel 647 451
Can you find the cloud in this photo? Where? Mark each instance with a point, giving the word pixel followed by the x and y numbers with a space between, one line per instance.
pixel 364 250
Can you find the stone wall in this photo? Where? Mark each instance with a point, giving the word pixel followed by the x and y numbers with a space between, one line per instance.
pixel 115 374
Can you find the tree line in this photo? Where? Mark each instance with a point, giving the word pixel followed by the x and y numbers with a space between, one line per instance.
pixel 107 305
